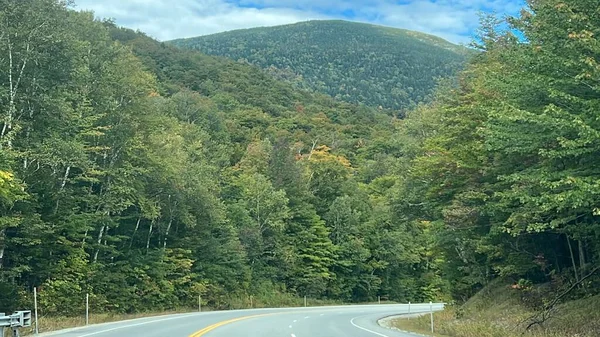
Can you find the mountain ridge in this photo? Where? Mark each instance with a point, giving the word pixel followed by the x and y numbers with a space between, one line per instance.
pixel 431 37
pixel 354 62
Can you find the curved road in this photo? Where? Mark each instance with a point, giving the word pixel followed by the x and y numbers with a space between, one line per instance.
pixel 338 321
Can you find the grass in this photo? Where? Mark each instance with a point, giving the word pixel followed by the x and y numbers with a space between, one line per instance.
pixel 497 311
pixel 47 324
pixel 421 324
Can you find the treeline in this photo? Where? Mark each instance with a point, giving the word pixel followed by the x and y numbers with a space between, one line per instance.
pixel 352 62
pixel 505 165
pixel 145 176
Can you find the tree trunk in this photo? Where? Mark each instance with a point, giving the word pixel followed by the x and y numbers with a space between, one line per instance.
pixel 106 229
pixel 137 226
pixel 572 259
pixel 14 80
pixel 65 177
pixel 84 238
pixel 100 233
pixel 7 125
pixel 581 258
pixel 2 236
pixel 312 149
pixel 167 233
pixel 149 236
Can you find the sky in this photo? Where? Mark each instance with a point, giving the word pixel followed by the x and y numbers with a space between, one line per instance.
pixel 453 20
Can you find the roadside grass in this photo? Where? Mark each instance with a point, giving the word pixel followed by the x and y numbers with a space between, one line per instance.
pixel 420 324
pixel 497 311
pixel 48 324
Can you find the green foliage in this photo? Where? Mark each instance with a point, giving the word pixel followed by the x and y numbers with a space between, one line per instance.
pixel 352 62
pixel 145 176
pixel 506 161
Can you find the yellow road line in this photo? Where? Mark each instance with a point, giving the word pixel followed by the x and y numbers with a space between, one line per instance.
pixel 216 325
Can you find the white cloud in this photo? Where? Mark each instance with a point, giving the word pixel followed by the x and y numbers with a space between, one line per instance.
pixel 454 20
pixel 170 19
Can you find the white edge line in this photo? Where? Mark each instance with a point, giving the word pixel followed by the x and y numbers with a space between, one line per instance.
pixel 128 326
pixel 282 310
pixel 365 329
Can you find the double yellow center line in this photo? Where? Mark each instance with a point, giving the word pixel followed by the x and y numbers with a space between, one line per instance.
pixel 216 325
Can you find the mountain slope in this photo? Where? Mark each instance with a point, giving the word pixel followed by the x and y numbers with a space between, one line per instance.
pixel 146 175
pixel 354 62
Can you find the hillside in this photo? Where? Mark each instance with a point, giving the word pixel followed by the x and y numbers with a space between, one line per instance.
pixel 353 62
pixel 501 310
pixel 146 175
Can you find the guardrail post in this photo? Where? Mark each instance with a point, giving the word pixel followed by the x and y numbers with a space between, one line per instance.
pixel 305 301
pixel 19 319
pixel 379 299
pixel 199 303
pixel 2 317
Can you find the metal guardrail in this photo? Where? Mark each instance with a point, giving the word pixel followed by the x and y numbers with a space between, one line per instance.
pixel 19 319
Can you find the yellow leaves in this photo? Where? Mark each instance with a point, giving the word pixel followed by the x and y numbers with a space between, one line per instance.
pixel 7 182
pixel 10 190
pixel 5 176
pixel 322 154
pixel 561 5
pixel 584 35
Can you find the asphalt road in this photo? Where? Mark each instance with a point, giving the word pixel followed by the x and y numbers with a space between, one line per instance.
pixel 338 321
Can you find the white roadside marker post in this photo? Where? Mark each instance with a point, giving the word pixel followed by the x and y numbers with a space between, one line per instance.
pixel 35 310
pixel 431 314
pixel 87 309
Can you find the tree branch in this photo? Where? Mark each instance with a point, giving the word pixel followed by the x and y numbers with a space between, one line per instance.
pixel 550 306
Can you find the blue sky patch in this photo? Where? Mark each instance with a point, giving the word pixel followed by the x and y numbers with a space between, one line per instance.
pixel 453 20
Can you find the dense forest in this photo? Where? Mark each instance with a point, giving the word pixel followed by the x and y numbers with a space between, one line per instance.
pixel 147 175
pixel 504 167
pixel 353 62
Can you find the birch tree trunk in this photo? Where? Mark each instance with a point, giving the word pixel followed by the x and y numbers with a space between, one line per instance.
pixel 137 226
pixel 149 236
pixel 99 242
pixel 167 233
pixel 2 247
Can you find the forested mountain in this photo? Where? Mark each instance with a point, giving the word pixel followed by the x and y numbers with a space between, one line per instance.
pixel 147 175
pixel 353 62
